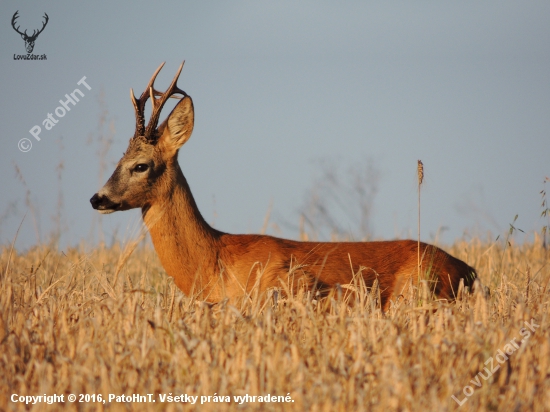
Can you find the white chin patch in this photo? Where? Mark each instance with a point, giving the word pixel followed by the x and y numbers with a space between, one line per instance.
pixel 106 211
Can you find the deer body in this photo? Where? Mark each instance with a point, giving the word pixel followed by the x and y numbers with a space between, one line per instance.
pixel 213 265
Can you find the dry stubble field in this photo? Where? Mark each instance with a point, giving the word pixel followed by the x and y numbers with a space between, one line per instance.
pixel 69 324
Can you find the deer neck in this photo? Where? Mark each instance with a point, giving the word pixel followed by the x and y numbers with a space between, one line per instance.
pixel 186 245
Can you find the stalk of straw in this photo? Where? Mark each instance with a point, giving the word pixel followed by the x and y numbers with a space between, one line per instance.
pixel 420 171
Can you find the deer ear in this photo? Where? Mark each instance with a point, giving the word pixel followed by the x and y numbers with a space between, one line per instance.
pixel 178 126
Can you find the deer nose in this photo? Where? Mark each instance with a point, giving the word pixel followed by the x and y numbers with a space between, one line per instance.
pixel 96 200
pixel 104 204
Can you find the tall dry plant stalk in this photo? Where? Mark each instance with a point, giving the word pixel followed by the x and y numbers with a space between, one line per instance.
pixel 545 231
pixel 420 175
pixel 58 217
pixel 13 246
pixel 34 211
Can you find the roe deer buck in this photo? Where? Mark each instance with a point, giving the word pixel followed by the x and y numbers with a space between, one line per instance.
pixel 213 265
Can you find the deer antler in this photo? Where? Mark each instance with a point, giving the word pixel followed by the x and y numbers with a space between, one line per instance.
pixel 34 35
pixel 158 104
pixel 15 16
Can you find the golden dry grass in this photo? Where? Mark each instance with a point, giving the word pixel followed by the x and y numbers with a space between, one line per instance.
pixel 67 326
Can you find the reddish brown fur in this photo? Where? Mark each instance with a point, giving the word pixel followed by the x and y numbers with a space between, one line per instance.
pixel 213 265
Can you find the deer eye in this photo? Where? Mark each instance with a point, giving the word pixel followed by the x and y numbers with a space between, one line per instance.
pixel 140 168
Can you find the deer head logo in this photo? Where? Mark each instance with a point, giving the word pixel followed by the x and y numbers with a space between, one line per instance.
pixel 29 40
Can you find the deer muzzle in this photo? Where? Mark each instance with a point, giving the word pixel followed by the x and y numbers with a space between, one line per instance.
pixel 103 204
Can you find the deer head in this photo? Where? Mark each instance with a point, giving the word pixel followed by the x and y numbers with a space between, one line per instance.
pixel 148 169
pixel 29 40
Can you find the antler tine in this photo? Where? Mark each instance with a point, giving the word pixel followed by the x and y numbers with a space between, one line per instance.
pixel 151 82
pixel 152 93
pixel 159 104
pixel 13 22
pixel 133 99
pixel 43 24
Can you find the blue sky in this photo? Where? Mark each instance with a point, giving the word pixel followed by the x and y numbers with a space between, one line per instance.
pixel 278 88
